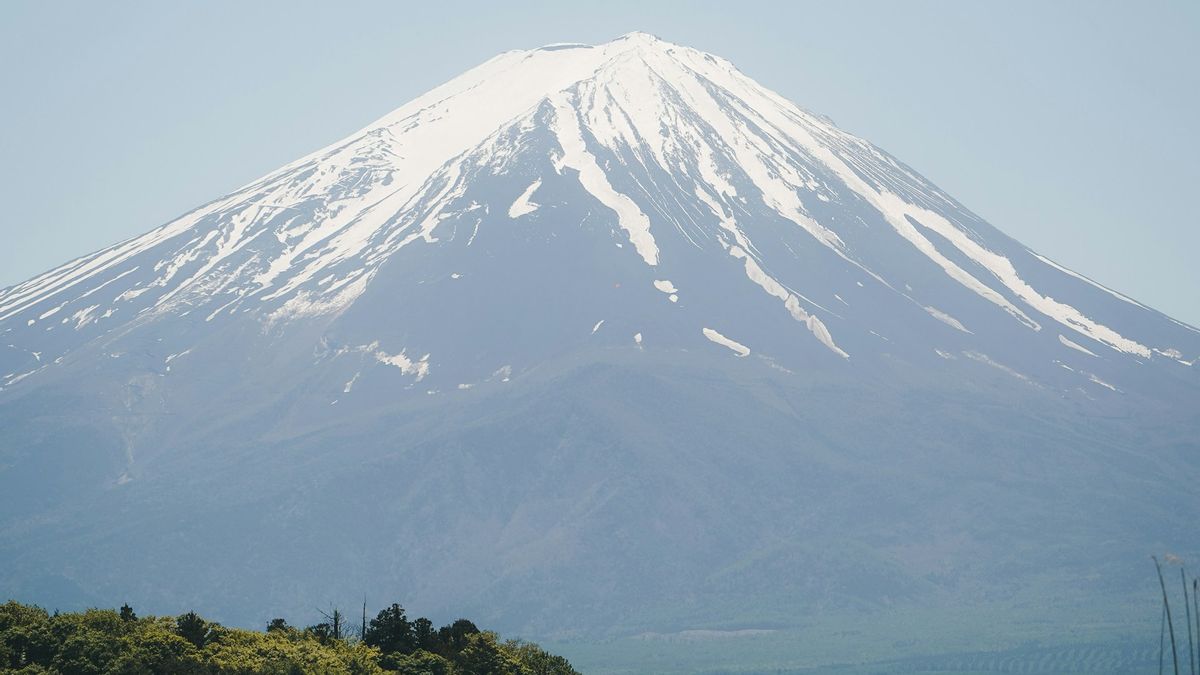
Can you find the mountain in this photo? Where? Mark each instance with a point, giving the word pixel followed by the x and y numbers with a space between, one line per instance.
pixel 593 341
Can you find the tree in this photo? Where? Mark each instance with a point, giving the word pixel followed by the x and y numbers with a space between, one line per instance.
pixel 25 636
pixel 419 662
pixel 336 623
pixel 538 661
pixel 425 635
pixel 483 655
pixel 454 637
pixel 192 628
pixel 391 632
pixel 322 632
pixel 156 649
pixel 112 642
pixel 86 653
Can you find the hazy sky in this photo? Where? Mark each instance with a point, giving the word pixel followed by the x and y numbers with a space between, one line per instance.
pixel 1071 126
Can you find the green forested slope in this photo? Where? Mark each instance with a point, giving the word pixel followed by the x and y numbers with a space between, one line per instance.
pixel 103 642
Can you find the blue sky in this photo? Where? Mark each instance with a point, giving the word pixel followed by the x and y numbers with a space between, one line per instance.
pixel 1071 126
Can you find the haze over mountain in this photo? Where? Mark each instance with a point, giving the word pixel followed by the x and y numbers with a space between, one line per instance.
pixel 591 340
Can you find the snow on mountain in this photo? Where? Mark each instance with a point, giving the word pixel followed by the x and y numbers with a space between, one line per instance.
pixel 598 326
pixel 679 146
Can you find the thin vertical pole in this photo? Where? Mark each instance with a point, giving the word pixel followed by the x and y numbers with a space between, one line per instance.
pixel 1196 611
pixel 1188 607
pixel 1167 608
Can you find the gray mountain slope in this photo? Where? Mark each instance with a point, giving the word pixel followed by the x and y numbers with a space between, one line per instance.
pixel 656 351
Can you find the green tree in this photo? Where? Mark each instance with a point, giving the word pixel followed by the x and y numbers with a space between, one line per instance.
pixel 110 642
pixel 86 653
pixel 321 632
pixel 419 662
pixel 538 661
pixel 25 636
pixel 483 655
pixel 192 628
pixel 154 649
pixel 453 638
pixel 391 632
pixel 425 635
pixel 127 613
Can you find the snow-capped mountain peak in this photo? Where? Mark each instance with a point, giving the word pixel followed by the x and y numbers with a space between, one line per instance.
pixel 591 326
pixel 679 152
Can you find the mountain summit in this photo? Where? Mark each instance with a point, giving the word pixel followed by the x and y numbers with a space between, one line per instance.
pixel 719 187
pixel 610 326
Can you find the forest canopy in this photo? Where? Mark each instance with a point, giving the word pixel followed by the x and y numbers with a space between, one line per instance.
pixel 119 642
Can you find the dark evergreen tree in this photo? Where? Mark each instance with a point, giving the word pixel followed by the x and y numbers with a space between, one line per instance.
pixel 278 624
pixel 323 632
pixel 192 628
pixel 391 632
pixel 127 613
pixel 457 634
pixel 425 635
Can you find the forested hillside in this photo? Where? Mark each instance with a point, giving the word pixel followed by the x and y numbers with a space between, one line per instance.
pixel 103 642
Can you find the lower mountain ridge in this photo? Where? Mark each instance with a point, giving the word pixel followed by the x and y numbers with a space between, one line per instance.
pixel 596 342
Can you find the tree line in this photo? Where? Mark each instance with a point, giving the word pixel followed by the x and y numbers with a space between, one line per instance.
pixel 119 642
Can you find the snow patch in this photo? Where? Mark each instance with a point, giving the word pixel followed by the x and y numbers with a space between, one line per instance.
pixel 790 301
pixel 1074 345
pixel 593 179
pixel 741 250
pixel 901 215
pixel 984 358
pixel 131 294
pixel 738 348
pixel 1102 383
pixel 419 368
pixel 522 205
pixel 172 357
pixel 51 312
pixel 84 316
pixel 946 319
pixel 306 304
